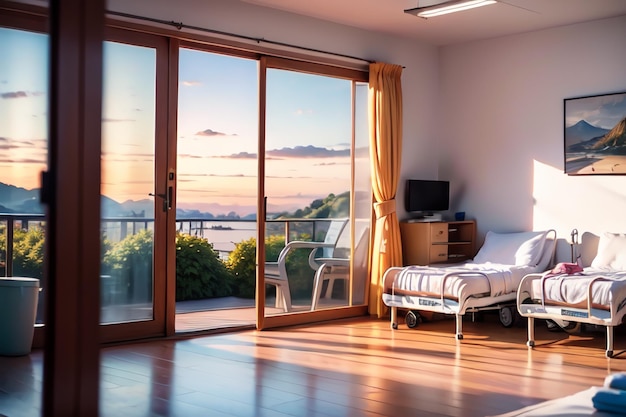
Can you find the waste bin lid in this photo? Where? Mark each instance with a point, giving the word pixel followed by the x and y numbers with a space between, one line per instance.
pixel 18 282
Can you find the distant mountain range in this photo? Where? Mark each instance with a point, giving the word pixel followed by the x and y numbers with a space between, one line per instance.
pixel 584 137
pixel 20 200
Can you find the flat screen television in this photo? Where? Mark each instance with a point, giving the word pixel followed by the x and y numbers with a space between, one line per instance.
pixel 427 196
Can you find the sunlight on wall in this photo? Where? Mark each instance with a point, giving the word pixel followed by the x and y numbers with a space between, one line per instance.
pixel 593 204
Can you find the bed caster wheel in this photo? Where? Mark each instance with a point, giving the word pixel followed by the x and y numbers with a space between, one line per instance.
pixel 459 336
pixel 507 316
pixel 412 319
pixel 530 343
pixel 609 353
pixel 394 326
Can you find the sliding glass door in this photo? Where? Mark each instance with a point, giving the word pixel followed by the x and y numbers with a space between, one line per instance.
pixel 136 193
pixel 316 206
pixel 217 187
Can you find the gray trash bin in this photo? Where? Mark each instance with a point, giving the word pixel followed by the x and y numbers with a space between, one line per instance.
pixel 18 307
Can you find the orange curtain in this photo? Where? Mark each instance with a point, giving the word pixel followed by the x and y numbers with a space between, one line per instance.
pixel 385 127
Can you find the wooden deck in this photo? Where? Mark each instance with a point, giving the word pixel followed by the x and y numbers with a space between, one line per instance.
pixel 355 367
pixel 219 313
pixel 230 312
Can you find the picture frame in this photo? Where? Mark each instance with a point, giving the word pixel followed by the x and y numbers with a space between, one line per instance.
pixel 595 134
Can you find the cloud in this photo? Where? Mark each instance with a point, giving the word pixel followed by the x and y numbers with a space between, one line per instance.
pixel 194 177
pixel 127 157
pixel 117 120
pixel 309 151
pixel 191 83
pixel 211 132
pixel 323 164
pixel 7 143
pixel 241 155
pixel 37 161
pixel 14 94
pixel 186 155
pixel 300 112
pixel 299 152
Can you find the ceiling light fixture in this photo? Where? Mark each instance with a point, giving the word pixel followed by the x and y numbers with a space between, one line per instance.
pixel 447 7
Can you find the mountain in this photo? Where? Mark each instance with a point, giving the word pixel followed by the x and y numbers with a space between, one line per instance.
pixel 582 132
pixel 332 206
pixel 615 139
pixel 20 200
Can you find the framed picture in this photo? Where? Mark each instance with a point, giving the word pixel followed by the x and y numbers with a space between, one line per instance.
pixel 595 135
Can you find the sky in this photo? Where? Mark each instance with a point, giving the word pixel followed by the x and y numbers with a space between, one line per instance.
pixel 308 127
pixel 603 111
pixel 23 107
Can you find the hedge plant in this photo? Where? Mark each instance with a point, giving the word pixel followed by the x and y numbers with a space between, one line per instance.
pixel 130 262
pixel 199 271
pixel 242 264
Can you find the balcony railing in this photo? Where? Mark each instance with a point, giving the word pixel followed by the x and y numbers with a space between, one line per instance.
pixel 117 228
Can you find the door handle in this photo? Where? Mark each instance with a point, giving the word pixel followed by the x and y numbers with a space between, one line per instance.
pixel 167 198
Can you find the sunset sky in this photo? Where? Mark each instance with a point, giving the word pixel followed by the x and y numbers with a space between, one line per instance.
pixel 308 126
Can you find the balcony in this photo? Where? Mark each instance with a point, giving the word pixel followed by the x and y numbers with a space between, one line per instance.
pixel 223 234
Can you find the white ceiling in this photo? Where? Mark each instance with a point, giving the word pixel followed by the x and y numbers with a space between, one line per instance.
pixel 503 18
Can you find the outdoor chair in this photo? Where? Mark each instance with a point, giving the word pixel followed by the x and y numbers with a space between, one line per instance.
pixel 276 272
pixel 337 267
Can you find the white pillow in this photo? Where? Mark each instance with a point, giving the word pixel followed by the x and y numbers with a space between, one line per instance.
pixel 521 248
pixel 611 252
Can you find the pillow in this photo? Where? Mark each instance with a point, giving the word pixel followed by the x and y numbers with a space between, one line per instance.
pixel 611 252
pixel 521 248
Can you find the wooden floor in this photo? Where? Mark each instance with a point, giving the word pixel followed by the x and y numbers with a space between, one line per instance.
pixel 355 367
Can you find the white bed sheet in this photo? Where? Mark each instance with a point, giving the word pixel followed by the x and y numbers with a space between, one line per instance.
pixel 573 289
pixel 465 280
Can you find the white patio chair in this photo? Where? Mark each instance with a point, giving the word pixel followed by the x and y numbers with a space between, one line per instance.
pixel 276 272
pixel 337 267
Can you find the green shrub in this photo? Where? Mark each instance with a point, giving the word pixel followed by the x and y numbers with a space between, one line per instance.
pixel 199 271
pixel 242 264
pixel 28 251
pixel 130 262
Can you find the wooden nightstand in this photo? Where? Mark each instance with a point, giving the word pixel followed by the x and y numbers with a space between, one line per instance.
pixel 425 243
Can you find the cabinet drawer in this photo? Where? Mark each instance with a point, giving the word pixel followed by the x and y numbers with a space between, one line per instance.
pixel 438 253
pixel 439 232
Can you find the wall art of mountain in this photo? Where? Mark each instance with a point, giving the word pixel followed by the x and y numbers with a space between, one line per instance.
pixel 584 137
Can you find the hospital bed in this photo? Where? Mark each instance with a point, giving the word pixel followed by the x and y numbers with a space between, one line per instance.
pixel 488 282
pixel 595 295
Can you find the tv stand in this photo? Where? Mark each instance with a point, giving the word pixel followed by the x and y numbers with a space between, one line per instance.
pixel 438 242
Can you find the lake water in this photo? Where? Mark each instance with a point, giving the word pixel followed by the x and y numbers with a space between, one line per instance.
pixel 222 234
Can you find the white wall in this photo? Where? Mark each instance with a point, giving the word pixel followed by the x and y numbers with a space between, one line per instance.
pixel 500 128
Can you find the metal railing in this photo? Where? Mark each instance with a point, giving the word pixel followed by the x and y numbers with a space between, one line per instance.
pixel 124 226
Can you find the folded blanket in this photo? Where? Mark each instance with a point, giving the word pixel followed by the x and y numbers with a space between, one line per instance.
pixel 610 400
pixel 616 380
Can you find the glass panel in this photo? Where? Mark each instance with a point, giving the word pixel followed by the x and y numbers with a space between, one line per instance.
pixel 217 184
pixel 307 180
pixel 128 146
pixel 23 153
pixel 362 195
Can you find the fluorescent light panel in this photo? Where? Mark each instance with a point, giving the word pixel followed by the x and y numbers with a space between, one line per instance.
pixel 448 7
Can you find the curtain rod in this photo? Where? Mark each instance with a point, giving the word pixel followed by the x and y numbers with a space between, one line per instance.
pixel 180 25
